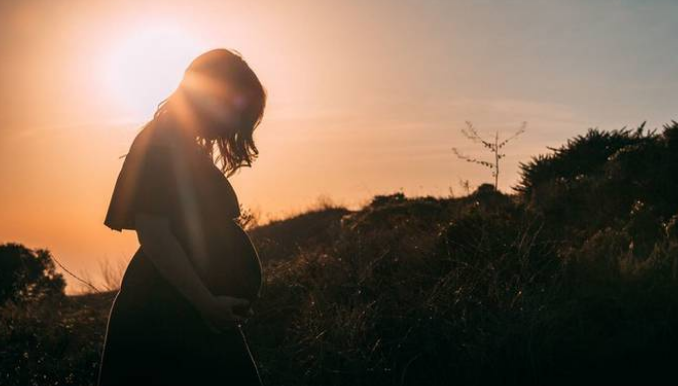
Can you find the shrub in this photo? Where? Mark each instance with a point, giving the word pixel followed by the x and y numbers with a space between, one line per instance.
pixel 28 275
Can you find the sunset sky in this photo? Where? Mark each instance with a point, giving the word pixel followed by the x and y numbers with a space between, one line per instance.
pixel 365 97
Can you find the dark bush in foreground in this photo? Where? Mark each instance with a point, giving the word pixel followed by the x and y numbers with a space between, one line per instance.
pixel 53 343
pixel 27 275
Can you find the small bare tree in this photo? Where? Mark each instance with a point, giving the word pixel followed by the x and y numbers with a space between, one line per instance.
pixel 494 147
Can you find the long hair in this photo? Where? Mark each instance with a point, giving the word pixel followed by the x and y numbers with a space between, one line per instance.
pixel 222 69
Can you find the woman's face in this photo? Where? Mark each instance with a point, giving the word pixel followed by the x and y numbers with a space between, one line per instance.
pixel 218 113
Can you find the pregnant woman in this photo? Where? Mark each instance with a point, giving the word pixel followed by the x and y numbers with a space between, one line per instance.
pixel 177 317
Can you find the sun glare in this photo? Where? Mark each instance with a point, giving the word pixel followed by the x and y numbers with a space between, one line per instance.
pixel 144 67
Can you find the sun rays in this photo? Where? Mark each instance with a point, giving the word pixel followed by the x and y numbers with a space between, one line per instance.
pixel 145 66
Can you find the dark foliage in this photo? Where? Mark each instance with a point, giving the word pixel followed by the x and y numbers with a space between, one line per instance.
pixel 613 179
pixel 27 275
pixel 53 343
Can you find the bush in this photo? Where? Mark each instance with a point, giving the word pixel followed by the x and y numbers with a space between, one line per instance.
pixel 28 275
pixel 605 179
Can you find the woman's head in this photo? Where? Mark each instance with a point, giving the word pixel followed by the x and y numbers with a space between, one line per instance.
pixel 220 101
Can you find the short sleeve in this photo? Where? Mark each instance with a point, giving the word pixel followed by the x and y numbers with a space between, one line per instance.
pixel 147 183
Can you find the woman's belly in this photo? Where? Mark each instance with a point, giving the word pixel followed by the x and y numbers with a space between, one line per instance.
pixel 232 266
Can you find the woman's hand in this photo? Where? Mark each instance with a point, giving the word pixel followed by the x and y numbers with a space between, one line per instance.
pixel 218 312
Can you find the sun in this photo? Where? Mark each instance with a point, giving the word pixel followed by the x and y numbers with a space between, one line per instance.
pixel 144 67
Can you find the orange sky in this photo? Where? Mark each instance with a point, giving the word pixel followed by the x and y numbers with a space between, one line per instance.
pixel 365 97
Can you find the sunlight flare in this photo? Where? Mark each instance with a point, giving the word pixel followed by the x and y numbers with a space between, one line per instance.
pixel 144 67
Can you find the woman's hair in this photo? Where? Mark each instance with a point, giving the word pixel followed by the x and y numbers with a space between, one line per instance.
pixel 223 70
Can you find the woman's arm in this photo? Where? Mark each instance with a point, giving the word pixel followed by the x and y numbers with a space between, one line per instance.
pixel 167 255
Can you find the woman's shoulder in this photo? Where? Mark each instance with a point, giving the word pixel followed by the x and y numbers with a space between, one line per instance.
pixel 155 138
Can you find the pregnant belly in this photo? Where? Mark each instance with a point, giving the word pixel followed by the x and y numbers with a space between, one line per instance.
pixel 233 268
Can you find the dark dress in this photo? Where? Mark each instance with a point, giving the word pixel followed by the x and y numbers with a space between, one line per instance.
pixel 154 335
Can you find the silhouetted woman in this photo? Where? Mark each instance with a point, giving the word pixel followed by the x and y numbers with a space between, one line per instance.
pixel 176 319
